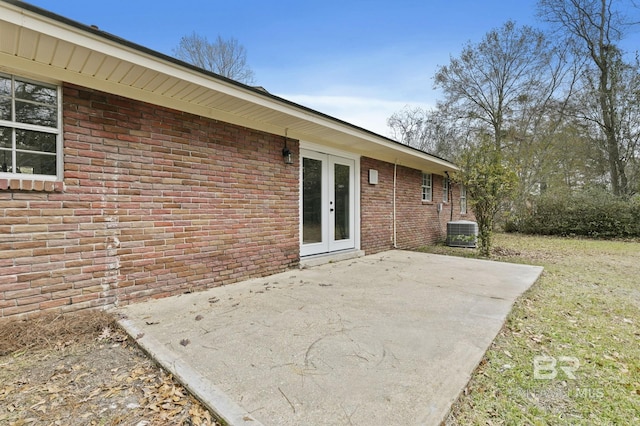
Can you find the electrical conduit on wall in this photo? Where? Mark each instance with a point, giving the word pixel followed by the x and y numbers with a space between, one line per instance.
pixel 395 174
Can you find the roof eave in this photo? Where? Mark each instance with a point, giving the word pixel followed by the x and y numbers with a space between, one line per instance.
pixel 117 66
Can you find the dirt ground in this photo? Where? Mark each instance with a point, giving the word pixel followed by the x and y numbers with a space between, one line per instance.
pixel 82 370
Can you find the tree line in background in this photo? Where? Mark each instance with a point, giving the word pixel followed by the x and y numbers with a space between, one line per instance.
pixel 560 110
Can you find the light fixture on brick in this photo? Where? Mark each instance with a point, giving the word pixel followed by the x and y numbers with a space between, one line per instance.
pixel 286 152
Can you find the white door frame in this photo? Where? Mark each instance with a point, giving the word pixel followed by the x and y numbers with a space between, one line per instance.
pixel 349 243
pixel 308 150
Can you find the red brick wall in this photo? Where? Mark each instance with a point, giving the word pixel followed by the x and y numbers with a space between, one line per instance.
pixel 155 202
pixel 417 223
pixel 376 207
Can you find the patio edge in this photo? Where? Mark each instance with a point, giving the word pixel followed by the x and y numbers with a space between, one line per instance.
pixel 198 385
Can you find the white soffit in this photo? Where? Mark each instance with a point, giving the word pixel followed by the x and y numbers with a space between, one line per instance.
pixel 42 45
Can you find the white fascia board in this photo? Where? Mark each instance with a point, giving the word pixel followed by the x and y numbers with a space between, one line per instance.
pixel 95 42
pixel 99 44
pixel 35 70
pixel 424 156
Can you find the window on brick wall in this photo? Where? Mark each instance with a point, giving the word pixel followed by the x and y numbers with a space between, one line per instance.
pixel 30 129
pixel 427 181
pixel 445 189
pixel 463 199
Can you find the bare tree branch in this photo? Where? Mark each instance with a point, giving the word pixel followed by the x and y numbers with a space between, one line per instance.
pixel 225 57
pixel 597 26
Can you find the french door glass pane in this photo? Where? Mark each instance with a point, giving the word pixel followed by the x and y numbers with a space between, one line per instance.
pixel 341 194
pixel 311 201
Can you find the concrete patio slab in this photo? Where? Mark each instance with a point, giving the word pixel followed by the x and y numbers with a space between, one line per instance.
pixel 388 339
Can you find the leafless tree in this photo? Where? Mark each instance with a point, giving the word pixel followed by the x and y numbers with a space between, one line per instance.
pixel 429 130
pixel 225 57
pixel 513 88
pixel 597 27
pixel 512 70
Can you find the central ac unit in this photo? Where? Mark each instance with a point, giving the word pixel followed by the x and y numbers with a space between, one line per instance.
pixel 462 233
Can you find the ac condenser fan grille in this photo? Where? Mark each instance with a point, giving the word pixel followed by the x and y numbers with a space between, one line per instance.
pixel 462 233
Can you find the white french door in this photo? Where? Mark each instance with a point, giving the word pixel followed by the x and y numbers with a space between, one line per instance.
pixel 328 203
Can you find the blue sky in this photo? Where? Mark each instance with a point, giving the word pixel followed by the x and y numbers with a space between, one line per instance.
pixel 357 60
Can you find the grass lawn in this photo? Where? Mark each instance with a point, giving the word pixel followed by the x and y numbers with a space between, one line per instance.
pixel 570 350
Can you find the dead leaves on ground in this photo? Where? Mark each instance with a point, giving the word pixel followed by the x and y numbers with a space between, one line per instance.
pixel 52 330
pixel 171 403
pixel 77 390
pixel 104 381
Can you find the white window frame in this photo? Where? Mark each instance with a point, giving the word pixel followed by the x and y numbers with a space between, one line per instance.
pixel 427 187
pixel 463 199
pixel 445 189
pixel 16 125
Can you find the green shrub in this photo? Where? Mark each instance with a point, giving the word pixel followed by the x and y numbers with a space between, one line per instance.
pixel 592 213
